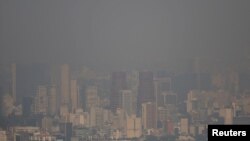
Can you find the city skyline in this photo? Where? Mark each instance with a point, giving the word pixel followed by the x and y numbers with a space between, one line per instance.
pixel 132 70
pixel 119 105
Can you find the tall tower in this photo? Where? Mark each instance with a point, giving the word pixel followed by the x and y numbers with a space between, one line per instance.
pixel 65 85
pixel 13 81
pixel 145 90
pixel 74 95
pixel 119 82
pixel 127 100
pixel 92 99
pixel 41 100
pixel 52 100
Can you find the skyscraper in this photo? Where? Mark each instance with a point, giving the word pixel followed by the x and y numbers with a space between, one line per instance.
pixel 28 78
pixel 119 82
pixel 41 100
pixel 13 81
pixel 52 100
pixel 149 118
pixel 127 100
pixel 133 127
pixel 92 98
pixel 145 90
pixel 65 85
pixel 26 106
pixel 74 95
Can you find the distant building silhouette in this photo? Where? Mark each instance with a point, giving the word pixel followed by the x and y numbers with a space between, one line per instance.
pixel 26 106
pixel 127 100
pixel 13 81
pixel 65 85
pixel 92 98
pixel 119 82
pixel 145 90
pixel 52 95
pixel 28 78
pixel 74 95
pixel 244 82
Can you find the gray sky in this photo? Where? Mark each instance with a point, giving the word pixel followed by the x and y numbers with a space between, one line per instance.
pixel 122 34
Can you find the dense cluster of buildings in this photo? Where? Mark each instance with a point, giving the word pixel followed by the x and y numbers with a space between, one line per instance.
pixel 64 103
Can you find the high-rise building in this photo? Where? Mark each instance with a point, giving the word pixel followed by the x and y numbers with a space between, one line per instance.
pixel 28 77
pixel 133 81
pixel 145 90
pixel 127 100
pixel 149 118
pixel 119 82
pixel 65 85
pixel 26 106
pixel 74 95
pixel 92 98
pixel 41 100
pixel 184 126
pixel 243 82
pixel 67 129
pixel 192 101
pixel 13 81
pixel 161 85
pixel 162 115
pixel 52 100
pixel 133 127
pixel 96 117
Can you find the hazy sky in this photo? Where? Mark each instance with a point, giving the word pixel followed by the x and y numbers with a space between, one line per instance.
pixel 123 33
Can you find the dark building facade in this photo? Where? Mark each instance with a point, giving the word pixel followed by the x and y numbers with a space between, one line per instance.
pixel 118 82
pixel 145 89
pixel 28 77
pixel 26 106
